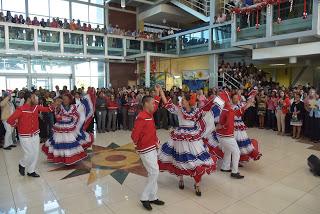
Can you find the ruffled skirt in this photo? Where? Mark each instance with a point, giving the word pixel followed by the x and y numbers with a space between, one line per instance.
pixel 67 148
pixel 190 158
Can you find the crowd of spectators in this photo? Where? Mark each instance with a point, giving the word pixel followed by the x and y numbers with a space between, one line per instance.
pixel 290 111
pixel 74 25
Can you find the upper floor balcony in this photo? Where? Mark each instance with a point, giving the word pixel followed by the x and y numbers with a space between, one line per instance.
pixel 36 40
pixel 259 25
pixel 274 21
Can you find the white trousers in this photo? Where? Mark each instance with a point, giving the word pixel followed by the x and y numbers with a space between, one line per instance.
pixel 150 162
pixel 30 147
pixel 231 151
pixel 8 136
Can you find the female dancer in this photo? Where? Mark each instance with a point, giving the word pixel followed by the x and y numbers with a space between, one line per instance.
pixel 248 147
pixel 69 140
pixel 185 152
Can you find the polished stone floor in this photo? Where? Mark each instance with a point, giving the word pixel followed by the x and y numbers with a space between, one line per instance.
pixel 111 179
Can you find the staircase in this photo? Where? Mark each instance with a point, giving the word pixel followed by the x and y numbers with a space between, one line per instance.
pixel 299 75
pixel 198 8
pixel 226 79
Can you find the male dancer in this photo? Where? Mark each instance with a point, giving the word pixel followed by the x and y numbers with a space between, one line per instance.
pixel 225 135
pixel 26 119
pixel 145 138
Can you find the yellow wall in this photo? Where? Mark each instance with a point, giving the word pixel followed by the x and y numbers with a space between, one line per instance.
pixel 283 77
pixel 177 66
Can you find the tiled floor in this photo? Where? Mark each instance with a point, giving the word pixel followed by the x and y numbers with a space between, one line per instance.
pixel 278 183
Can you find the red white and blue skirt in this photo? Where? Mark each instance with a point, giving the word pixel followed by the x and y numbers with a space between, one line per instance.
pixel 70 140
pixel 186 154
pixel 249 148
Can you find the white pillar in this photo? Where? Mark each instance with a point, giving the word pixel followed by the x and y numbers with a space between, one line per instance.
pixel 212 11
pixel 84 44
pixel 35 40
pixel 124 46
pixel 6 36
pixel 269 21
pixel 147 70
pixel 107 73
pixel 213 70
pixel 61 42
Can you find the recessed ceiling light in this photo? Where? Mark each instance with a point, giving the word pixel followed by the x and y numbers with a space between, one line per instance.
pixel 277 64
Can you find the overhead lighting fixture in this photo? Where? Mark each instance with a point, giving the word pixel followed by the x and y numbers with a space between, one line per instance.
pixel 277 64
pixel 107 1
pixel 123 3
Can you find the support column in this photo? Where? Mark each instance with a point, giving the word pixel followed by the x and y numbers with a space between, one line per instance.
pixel 85 44
pixel 141 46
pixel 178 46
pixel 29 76
pixel 61 42
pixel 107 73
pixel 147 70
pixel 6 37
pixel 124 45
pixel 233 28
pixel 35 40
pixel 212 11
pixel 269 21
pixel 213 70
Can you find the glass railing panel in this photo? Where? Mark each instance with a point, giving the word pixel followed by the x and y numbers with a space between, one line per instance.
pixel 286 20
pixel 221 37
pixel 2 42
pixel 194 42
pixel 73 42
pixel 249 26
pixel 48 41
pixel 115 46
pixel 133 47
pixel 149 46
pixel 95 44
pixel 170 46
pixel 21 38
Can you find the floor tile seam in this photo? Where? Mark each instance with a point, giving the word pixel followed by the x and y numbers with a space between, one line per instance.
pixel 294 202
pixel 5 162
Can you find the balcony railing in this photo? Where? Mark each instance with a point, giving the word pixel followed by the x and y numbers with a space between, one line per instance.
pixel 276 22
pixel 17 38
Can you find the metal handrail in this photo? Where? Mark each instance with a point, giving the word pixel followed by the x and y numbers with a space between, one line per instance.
pixel 197 4
pixel 232 78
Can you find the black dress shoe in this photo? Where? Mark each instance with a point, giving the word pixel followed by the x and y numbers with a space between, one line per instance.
pixel 237 176
pixel 157 202
pixel 35 175
pixel 146 205
pixel 7 148
pixel 198 191
pixel 225 170
pixel 12 146
pixel 21 170
pixel 181 185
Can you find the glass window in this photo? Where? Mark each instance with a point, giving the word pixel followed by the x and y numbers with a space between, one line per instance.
pixel 82 69
pixel 80 11
pixel 19 83
pixel 97 1
pixel 59 8
pixel 61 82
pixel 3 84
pixel 50 66
pixel 13 65
pixel 37 8
pixel 14 6
pixel 96 15
pixel 97 68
